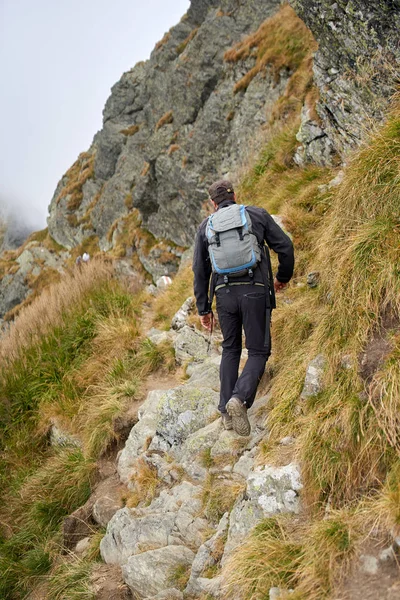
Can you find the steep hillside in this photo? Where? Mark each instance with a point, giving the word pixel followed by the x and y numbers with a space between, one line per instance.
pixel 117 479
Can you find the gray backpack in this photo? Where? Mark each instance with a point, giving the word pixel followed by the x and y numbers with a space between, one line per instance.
pixel 233 248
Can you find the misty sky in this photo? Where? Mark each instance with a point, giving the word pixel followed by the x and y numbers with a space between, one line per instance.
pixel 58 61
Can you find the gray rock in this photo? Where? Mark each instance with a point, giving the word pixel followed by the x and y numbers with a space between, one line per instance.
pixel 190 454
pixel 139 436
pixel 170 594
pixel 276 593
pixel 316 147
pixel 180 318
pixel 163 282
pixel 184 410
pixel 159 337
pixel 205 374
pixel 357 61
pixel 170 519
pixel 60 437
pixel 313 279
pixel 163 168
pixel 104 509
pixel 275 489
pixel 190 345
pixel 82 546
pixel 205 558
pixel 151 570
pixel 270 491
pixel 314 375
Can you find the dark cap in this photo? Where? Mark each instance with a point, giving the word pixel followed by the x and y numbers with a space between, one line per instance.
pixel 221 190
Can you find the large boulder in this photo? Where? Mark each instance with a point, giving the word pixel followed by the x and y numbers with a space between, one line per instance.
pixel 150 572
pixel 270 491
pixel 170 519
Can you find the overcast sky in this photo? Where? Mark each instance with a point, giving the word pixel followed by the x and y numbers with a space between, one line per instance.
pixel 58 61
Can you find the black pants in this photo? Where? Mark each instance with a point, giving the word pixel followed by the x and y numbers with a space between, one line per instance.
pixel 243 306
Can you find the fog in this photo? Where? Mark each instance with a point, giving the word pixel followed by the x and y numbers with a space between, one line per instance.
pixel 58 61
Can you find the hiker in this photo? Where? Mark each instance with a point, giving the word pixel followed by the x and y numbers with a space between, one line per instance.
pixel 231 249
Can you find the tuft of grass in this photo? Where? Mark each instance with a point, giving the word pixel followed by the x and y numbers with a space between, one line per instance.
pixel 219 495
pixel 146 482
pixel 71 581
pixel 166 119
pixel 183 45
pixel 282 42
pixel 179 576
pixel 268 558
pixel 308 558
pixel 76 176
pixel 130 130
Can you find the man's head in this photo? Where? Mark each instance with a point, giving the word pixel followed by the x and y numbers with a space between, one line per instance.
pixel 221 190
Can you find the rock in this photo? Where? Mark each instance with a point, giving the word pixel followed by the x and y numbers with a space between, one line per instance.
pixel 287 441
pixel 140 435
pixel 270 491
pixel 156 151
pixel 313 279
pixel 170 594
pixel 60 437
pixel 151 289
pixel 151 570
pixel 275 488
pixel 276 593
pixel 180 318
pixel 316 147
pixel 186 259
pixel 77 525
pixel 184 410
pixel 104 509
pixel 170 519
pixel 369 564
pixel 107 584
pixel 357 42
pixel 190 454
pixel 190 345
pixel 313 379
pixel 82 546
pixel 206 557
pixel 159 337
pixel 163 282
pixel 204 374
pixel 333 183
pixel 245 464
pixel 279 221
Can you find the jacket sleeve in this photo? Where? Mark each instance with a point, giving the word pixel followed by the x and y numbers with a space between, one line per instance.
pixel 202 271
pixel 280 243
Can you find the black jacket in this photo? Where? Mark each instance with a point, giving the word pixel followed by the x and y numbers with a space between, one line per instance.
pixel 266 231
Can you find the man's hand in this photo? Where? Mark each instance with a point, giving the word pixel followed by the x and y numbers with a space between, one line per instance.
pixel 279 286
pixel 206 321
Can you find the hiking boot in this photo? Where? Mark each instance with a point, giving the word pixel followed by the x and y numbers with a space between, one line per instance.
pixel 238 412
pixel 226 420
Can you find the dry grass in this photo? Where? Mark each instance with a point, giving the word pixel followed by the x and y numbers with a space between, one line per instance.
pixel 219 495
pixel 168 302
pixel 309 558
pixel 173 148
pixel 146 484
pixel 130 130
pixel 167 118
pixel 281 42
pixel 76 176
pixel 183 45
pixel 48 310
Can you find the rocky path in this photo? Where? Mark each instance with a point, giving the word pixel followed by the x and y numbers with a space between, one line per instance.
pixel 182 470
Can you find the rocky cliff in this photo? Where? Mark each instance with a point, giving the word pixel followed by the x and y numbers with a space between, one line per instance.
pixel 171 125
pixel 357 65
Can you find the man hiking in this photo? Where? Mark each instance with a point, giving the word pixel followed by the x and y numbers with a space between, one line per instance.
pixel 230 249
